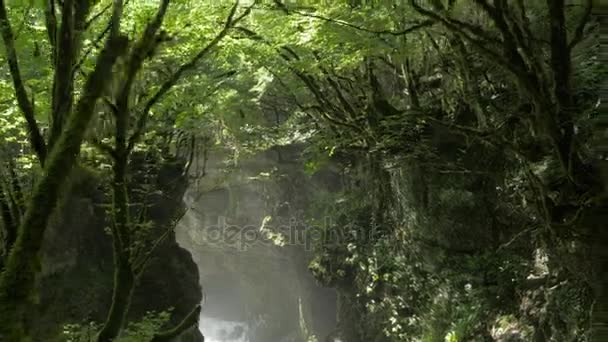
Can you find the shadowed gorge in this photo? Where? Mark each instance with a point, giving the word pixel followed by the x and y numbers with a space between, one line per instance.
pixel 303 171
pixel 246 276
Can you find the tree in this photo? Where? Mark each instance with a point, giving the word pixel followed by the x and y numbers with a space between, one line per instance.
pixel 18 277
pixel 129 267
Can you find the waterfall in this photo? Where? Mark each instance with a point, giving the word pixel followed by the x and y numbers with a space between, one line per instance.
pixel 254 289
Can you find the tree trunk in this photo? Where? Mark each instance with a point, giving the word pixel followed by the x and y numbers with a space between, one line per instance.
pixel 124 277
pixel 599 312
pixel 124 283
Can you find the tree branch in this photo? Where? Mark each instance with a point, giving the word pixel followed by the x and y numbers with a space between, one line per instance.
pixel 26 106
pixel 325 104
pixel 562 127
pixel 510 58
pixel 90 22
pixel 135 61
pixel 117 10
pixel 7 224
pixel 176 76
pixel 50 20
pixel 410 29
pixel 95 43
pixel 478 43
pixel 63 80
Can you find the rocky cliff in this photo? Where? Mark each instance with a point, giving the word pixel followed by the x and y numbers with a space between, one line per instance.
pixel 76 282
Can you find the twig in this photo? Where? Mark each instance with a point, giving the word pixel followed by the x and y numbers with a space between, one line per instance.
pixel 410 29
pixel 98 15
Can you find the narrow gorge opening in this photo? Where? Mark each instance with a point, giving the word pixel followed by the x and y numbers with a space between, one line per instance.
pixel 256 288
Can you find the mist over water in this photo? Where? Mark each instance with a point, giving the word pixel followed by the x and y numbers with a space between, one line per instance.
pixel 254 290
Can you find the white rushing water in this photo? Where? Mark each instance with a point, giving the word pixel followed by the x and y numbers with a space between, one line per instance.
pixel 216 330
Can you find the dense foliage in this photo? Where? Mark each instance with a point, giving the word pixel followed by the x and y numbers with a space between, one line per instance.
pixel 472 203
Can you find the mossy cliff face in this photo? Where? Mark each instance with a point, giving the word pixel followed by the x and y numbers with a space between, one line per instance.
pixel 76 281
